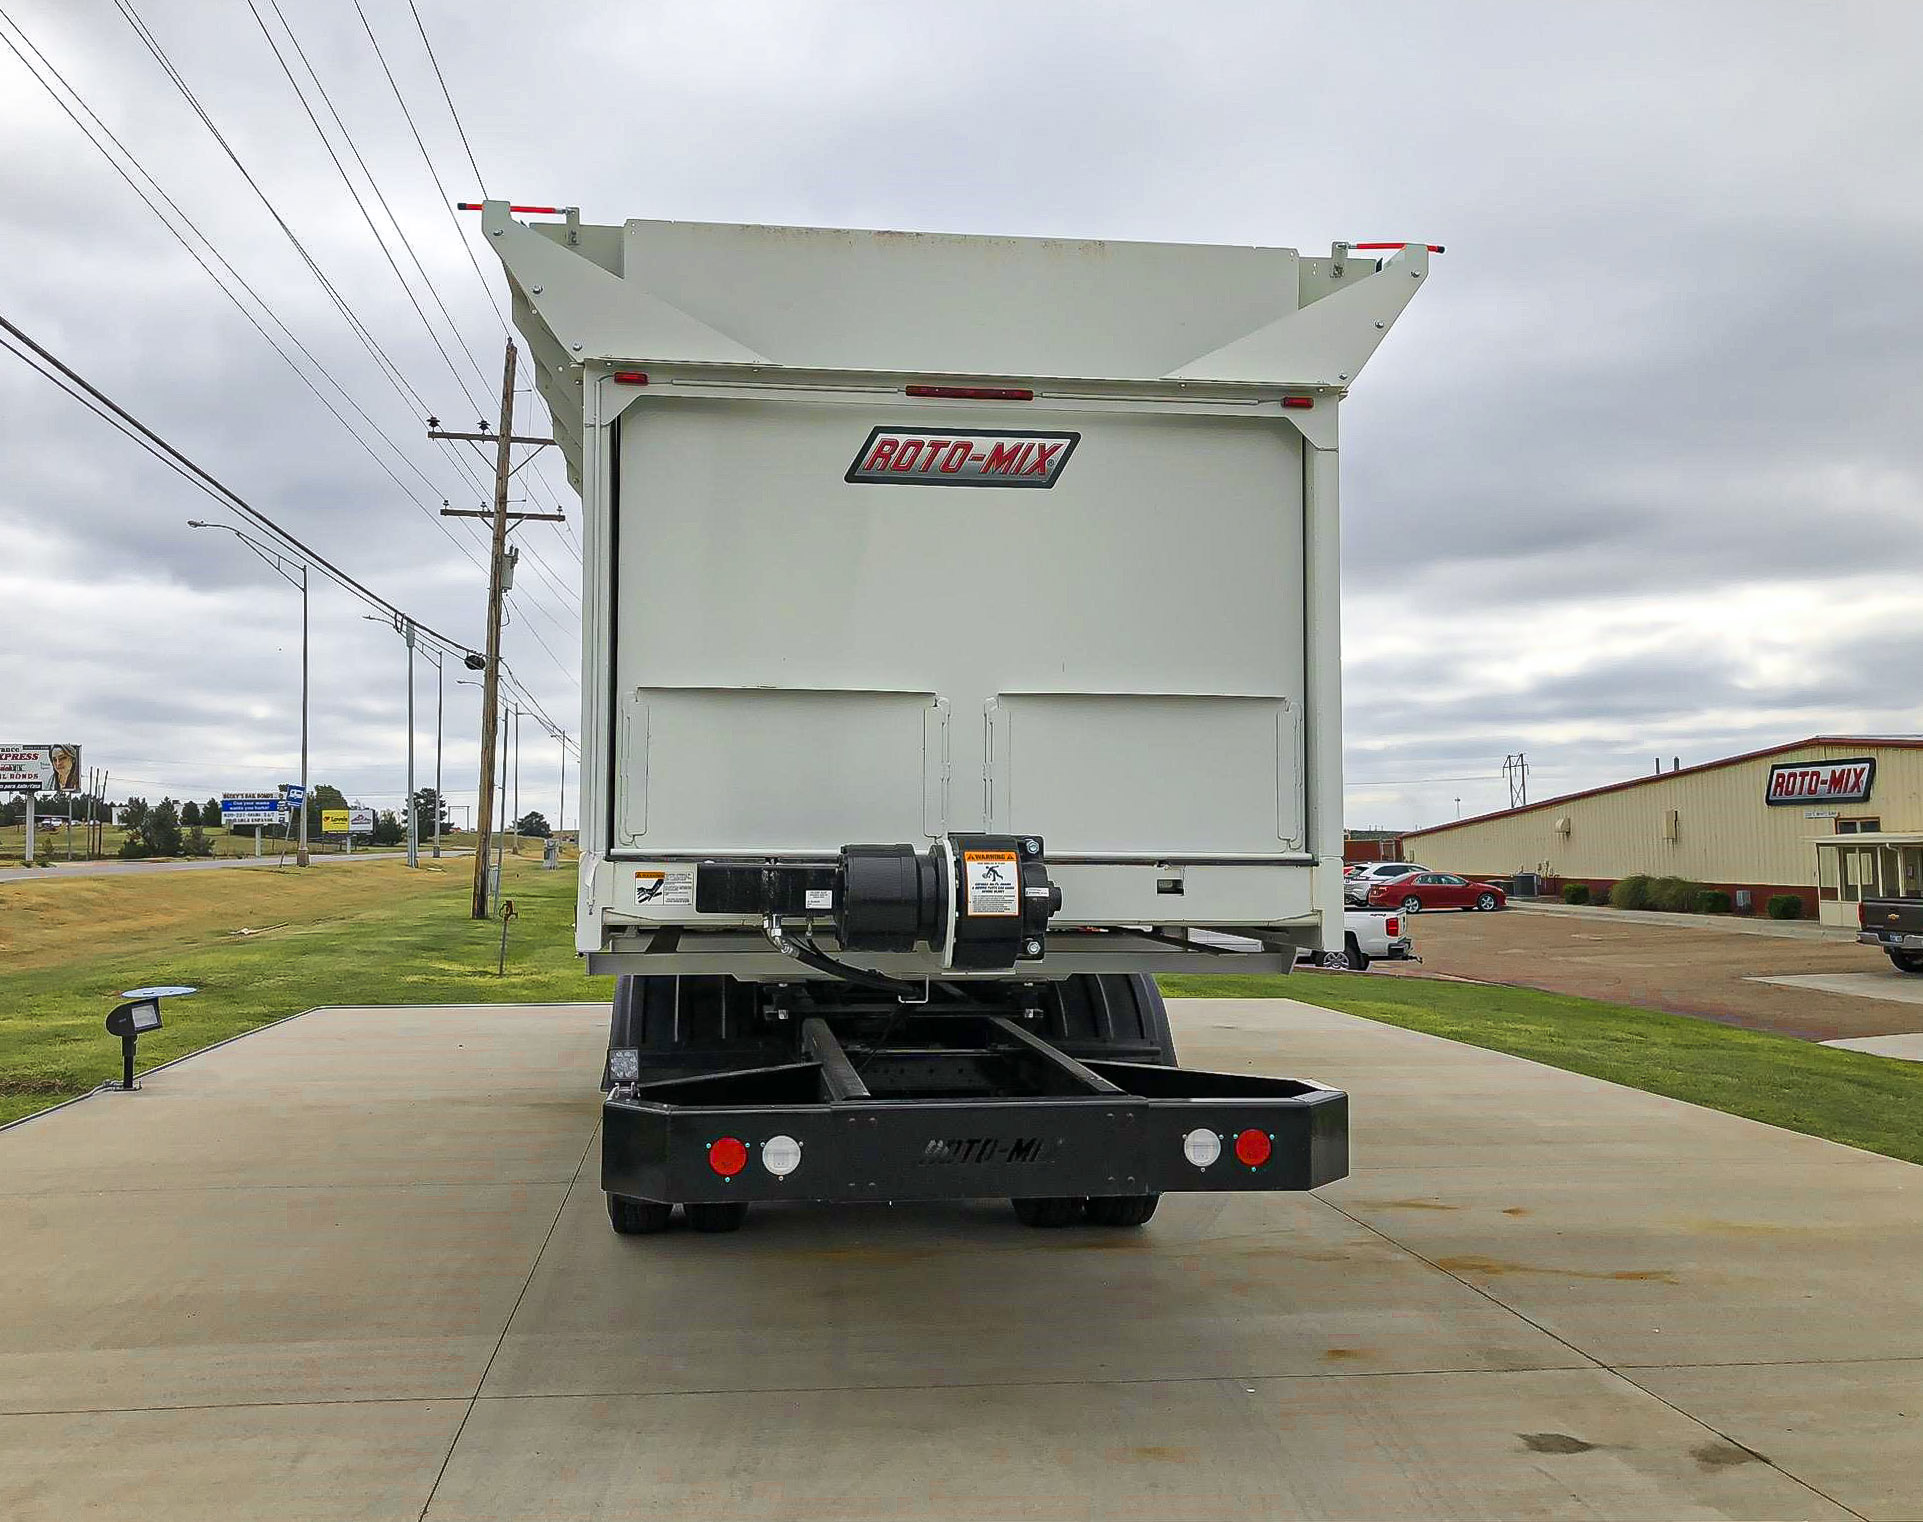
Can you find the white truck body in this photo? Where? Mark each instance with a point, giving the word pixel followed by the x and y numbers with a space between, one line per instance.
pixel 1098 605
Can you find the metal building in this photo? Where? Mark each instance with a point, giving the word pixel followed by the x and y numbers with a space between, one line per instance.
pixel 1832 819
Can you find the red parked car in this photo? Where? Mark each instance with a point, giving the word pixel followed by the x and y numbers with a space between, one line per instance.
pixel 1436 890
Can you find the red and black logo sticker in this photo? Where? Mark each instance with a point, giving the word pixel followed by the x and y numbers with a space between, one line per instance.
pixel 961 457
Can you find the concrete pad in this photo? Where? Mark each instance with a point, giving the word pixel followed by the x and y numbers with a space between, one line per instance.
pixel 1539 1444
pixel 1688 1264
pixel 818 1296
pixel 1904 1048
pixel 1853 1430
pixel 369 1461
pixel 313 1233
pixel 232 1296
pixel 1887 983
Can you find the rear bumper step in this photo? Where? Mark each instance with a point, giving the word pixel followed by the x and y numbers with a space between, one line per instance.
pixel 1060 1127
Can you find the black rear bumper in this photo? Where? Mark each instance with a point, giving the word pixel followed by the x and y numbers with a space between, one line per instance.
pixel 1096 1129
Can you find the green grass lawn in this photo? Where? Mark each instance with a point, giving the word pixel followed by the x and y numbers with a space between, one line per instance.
pixel 1865 1101
pixel 374 934
pixel 51 845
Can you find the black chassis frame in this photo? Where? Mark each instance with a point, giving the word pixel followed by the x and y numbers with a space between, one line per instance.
pixel 963 1109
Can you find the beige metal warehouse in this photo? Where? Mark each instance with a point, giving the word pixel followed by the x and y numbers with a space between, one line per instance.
pixel 1832 819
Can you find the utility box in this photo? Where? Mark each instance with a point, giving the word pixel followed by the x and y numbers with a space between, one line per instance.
pixel 925 540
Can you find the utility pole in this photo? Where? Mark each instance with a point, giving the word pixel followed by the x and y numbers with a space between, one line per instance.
pixel 561 811
pixel 503 441
pixel 517 779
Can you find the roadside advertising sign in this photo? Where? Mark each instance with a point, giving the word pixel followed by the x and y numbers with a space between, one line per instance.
pixel 250 810
pixel 354 821
pixel 1820 781
pixel 39 768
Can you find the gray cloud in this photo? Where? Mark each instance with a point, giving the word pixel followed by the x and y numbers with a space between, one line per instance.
pixel 1663 383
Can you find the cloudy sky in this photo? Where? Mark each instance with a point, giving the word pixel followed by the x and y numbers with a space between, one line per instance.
pixel 1640 473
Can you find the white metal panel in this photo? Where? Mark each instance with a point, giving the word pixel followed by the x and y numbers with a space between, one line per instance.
pixel 1154 592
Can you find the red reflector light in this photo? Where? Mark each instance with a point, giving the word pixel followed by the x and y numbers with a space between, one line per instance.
pixel 540 211
pixel 977 393
pixel 728 1157
pixel 1298 401
pixel 631 377
pixel 1434 248
pixel 1252 1148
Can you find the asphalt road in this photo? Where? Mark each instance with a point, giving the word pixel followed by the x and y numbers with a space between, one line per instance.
pixel 195 864
pixel 357 1265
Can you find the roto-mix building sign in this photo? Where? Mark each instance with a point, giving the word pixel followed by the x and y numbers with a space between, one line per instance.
pixel 1834 820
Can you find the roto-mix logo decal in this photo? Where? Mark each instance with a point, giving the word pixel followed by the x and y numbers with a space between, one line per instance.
pixel 1821 781
pixel 961 457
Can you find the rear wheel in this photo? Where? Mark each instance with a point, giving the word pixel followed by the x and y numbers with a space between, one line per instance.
pixel 1412 905
pixel 1485 901
pixel 1907 961
pixel 638 1218
pixel 1051 1211
pixel 722 1215
pixel 1122 1209
pixel 1358 958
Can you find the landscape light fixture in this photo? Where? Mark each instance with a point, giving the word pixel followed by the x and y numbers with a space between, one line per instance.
pixel 132 1020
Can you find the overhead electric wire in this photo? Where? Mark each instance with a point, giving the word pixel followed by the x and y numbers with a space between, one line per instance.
pixel 212 250
pixel 441 195
pixel 359 204
pixel 214 487
pixel 442 79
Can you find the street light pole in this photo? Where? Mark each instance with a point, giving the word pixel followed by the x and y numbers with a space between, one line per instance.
pixel 280 565
pixel 413 821
pixel 440 695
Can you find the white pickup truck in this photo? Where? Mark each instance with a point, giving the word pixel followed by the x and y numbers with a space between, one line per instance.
pixel 1372 935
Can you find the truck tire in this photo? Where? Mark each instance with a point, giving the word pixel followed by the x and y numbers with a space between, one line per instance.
pixel 638 1218
pixel 721 1215
pixel 1358 958
pixel 1907 961
pixel 1051 1211
pixel 1122 1209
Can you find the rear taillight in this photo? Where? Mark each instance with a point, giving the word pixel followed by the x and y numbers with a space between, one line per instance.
pixel 1862 913
pixel 1252 1148
pixel 1392 926
pixel 728 1156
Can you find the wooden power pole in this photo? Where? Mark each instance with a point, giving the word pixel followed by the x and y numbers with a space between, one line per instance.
pixel 503 442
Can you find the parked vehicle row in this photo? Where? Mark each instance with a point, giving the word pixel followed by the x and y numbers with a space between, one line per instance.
pixel 1411 889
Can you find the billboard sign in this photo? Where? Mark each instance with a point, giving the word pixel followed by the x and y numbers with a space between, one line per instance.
pixel 354 821
pixel 39 768
pixel 1820 781
pixel 251 810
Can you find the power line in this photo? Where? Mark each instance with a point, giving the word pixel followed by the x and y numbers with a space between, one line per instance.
pixel 480 183
pixel 214 487
pixel 212 250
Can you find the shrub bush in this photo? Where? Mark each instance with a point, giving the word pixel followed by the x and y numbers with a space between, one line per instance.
pixel 1631 893
pixel 1575 893
pixel 1676 895
pixel 1785 906
pixel 1712 901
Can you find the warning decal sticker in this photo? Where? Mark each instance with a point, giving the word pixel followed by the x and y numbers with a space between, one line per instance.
pixel 994 883
pixel 669 888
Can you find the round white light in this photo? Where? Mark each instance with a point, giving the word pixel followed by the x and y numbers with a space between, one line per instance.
pixel 1201 1147
pixel 781 1155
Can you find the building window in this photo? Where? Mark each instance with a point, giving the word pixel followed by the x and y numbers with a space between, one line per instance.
pixel 1869 826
